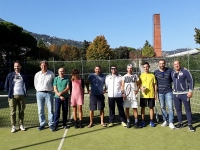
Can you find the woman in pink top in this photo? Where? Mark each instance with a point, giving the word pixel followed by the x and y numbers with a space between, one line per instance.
pixel 77 96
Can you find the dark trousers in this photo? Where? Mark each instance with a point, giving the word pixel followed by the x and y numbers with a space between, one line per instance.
pixel 178 99
pixel 58 104
pixel 111 103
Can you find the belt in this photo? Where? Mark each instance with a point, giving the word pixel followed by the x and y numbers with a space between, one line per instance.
pixel 44 91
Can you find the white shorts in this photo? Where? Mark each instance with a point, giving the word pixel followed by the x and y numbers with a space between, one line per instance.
pixel 131 102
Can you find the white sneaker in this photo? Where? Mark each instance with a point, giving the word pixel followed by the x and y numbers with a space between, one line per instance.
pixel 13 129
pixel 171 125
pixel 22 128
pixel 164 124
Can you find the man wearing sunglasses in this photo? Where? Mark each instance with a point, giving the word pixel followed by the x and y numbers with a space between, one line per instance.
pixel 164 88
pixel 113 84
pixel 182 92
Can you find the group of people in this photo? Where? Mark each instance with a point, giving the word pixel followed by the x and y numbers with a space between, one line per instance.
pixel 122 90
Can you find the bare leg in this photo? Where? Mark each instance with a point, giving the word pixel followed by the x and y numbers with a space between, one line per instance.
pixel 127 113
pixel 135 113
pixel 80 112
pixel 151 113
pixel 102 116
pixel 75 112
pixel 91 117
pixel 143 112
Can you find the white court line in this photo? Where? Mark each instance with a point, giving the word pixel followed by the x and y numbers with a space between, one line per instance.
pixel 64 135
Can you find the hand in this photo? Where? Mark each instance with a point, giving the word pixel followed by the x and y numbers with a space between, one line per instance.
pixel 143 89
pixel 62 98
pixel 104 91
pixel 124 96
pixel 59 94
pixel 89 92
pixel 136 92
pixel 156 97
pixel 189 95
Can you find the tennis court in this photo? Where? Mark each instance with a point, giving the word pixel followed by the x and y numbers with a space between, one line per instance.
pixel 97 137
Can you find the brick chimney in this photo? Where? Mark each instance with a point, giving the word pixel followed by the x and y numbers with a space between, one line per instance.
pixel 157 36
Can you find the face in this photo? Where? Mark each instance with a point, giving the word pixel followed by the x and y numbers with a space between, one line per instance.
pixel 61 72
pixel 146 68
pixel 17 67
pixel 161 64
pixel 130 70
pixel 113 70
pixel 43 67
pixel 177 65
pixel 97 70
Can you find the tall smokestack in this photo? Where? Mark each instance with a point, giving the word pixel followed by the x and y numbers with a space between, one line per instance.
pixel 157 36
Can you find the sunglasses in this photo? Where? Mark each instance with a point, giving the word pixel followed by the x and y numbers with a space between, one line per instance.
pixel 113 68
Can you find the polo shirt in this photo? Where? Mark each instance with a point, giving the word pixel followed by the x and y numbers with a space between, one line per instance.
pixel 61 84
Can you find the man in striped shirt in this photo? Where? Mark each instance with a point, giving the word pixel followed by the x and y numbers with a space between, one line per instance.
pixel 164 80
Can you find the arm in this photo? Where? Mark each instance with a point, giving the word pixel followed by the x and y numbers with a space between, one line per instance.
pixel 87 86
pixel 191 84
pixel 122 90
pixel 138 85
pixel 155 88
pixel 6 85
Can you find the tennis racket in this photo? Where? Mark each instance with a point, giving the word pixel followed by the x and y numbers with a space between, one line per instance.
pixel 156 110
pixel 128 90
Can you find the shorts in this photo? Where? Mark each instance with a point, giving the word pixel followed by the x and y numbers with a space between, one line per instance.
pixel 97 100
pixel 131 102
pixel 147 102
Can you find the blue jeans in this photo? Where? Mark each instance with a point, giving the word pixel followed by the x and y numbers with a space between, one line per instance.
pixel 43 97
pixel 166 99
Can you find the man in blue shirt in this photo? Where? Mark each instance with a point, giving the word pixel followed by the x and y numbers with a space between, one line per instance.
pixel 97 81
pixel 164 80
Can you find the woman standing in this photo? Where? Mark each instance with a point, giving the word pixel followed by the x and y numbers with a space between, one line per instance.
pixel 77 96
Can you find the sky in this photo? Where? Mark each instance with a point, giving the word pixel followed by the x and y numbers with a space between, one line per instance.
pixel 122 22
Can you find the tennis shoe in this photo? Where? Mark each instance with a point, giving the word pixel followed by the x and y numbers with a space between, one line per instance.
pixel 137 125
pixel 40 128
pixel 128 125
pixel 52 128
pixel 171 126
pixel 152 124
pixel 191 128
pixel 179 126
pixel 164 124
pixel 143 124
pixel 13 129
pixel 22 128
pixel 124 124
pixel 110 124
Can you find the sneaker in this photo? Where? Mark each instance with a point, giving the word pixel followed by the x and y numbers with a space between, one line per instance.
pixel 110 124
pixel 179 125
pixel 171 126
pixel 22 128
pixel 80 124
pixel 164 124
pixel 191 128
pixel 124 124
pixel 13 129
pixel 143 124
pixel 52 128
pixel 65 127
pixel 40 128
pixel 137 125
pixel 152 124
pixel 128 125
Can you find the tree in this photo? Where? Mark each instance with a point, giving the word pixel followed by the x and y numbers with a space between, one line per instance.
pixel 84 49
pixel 99 49
pixel 197 36
pixel 122 52
pixel 147 50
pixel 15 43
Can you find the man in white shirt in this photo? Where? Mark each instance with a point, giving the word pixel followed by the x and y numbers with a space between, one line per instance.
pixel 130 87
pixel 43 82
pixel 17 85
pixel 113 85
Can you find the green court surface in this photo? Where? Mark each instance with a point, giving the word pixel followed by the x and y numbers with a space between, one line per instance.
pixel 102 138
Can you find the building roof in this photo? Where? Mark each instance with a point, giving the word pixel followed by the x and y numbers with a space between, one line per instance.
pixel 189 52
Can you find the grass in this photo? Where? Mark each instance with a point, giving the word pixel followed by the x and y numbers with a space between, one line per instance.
pixel 97 137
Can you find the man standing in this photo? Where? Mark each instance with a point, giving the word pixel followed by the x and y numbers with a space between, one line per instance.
pixel 148 93
pixel 43 82
pixel 17 85
pixel 113 85
pixel 164 80
pixel 130 87
pixel 97 98
pixel 61 88
pixel 182 92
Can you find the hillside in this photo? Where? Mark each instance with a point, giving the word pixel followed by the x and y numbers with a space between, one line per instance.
pixel 48 40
